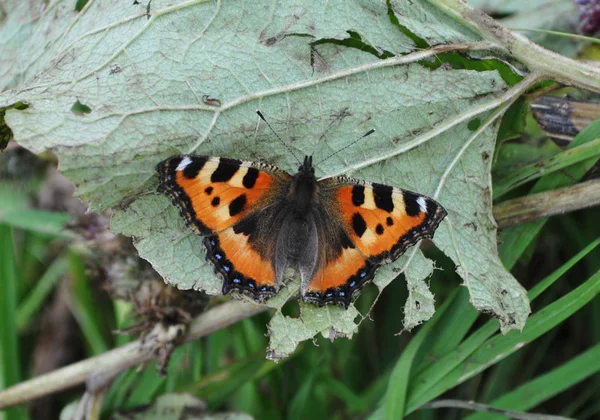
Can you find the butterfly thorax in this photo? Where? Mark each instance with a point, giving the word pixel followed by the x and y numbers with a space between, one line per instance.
pixel 303 190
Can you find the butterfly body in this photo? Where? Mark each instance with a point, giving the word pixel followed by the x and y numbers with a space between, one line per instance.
pixel 260 220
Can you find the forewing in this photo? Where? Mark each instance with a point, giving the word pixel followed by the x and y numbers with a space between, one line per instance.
pixel 234 202
pixel 384 221
pixel 215 193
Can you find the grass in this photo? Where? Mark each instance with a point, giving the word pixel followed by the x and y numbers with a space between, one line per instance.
pixel 10 373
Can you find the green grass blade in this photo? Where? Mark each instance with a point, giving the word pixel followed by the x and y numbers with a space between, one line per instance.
pixel 543 285
pixel 372 395
pixel 83 306
pixel 432 375
pixel 430 381
pixel 119 391
pixel 38 221
pixel 547 166
pixel 448 332
pixel 9 347
pixel 397 391
pixel 353 403
pixel 217 386
pixel 34 300
pixel 499 347
pixel 545 386
pixel 303 406
pixel 148 384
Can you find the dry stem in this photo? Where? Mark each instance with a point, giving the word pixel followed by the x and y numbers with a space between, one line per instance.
pixel 123 357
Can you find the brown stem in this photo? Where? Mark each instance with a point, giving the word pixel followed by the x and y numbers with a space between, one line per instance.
pixel 548 64
pixel 548 203
pixel 474 406
pixel 123 357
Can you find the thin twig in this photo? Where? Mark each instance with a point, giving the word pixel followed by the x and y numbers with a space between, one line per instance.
pixel 122 357
pixel 473 406
pixel 548 203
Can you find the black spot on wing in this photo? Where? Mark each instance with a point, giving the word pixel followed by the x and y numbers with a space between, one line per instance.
pixel 237 205
pixel 247 226
pixel 389 221
pixel 226 169
pixel 358 224
pixel 358 195
pixel 215 201
pixel 345 241
pixel 383 197
pixel 250 178
pixel 208 190
pixel 379 229
pixel 411 206
pixel 195 166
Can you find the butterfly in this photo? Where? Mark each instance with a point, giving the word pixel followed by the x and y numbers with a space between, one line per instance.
pixel 259 220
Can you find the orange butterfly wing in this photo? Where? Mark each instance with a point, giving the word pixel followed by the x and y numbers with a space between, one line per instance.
pixel 378 223
pixel 219 196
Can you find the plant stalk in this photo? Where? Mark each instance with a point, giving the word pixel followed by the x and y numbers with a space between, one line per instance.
pixel 548 203
pixel 122 357
pixel 548 64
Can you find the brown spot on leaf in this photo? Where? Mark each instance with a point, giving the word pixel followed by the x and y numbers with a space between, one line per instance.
pixel 209 100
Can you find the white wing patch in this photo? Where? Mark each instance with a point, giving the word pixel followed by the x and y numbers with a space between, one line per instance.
pixel 183 164
pixel 422 204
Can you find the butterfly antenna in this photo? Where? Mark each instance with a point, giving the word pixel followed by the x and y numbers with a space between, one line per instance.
pixel 368 133
pixel 342 115
pixel 262 117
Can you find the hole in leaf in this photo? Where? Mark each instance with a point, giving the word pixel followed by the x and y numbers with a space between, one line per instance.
pixel 20 106
pixel 80 4
pixel 80 109
pixel 5 132
pixel 462 61
pixel 354 41
pixel 474 124
pixel 500 15
pixel 419 42
pixel 455 60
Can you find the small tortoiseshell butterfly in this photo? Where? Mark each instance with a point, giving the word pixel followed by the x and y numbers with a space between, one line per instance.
pixel 259 220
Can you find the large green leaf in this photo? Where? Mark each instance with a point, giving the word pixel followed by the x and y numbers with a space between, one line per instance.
pixel 186 77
